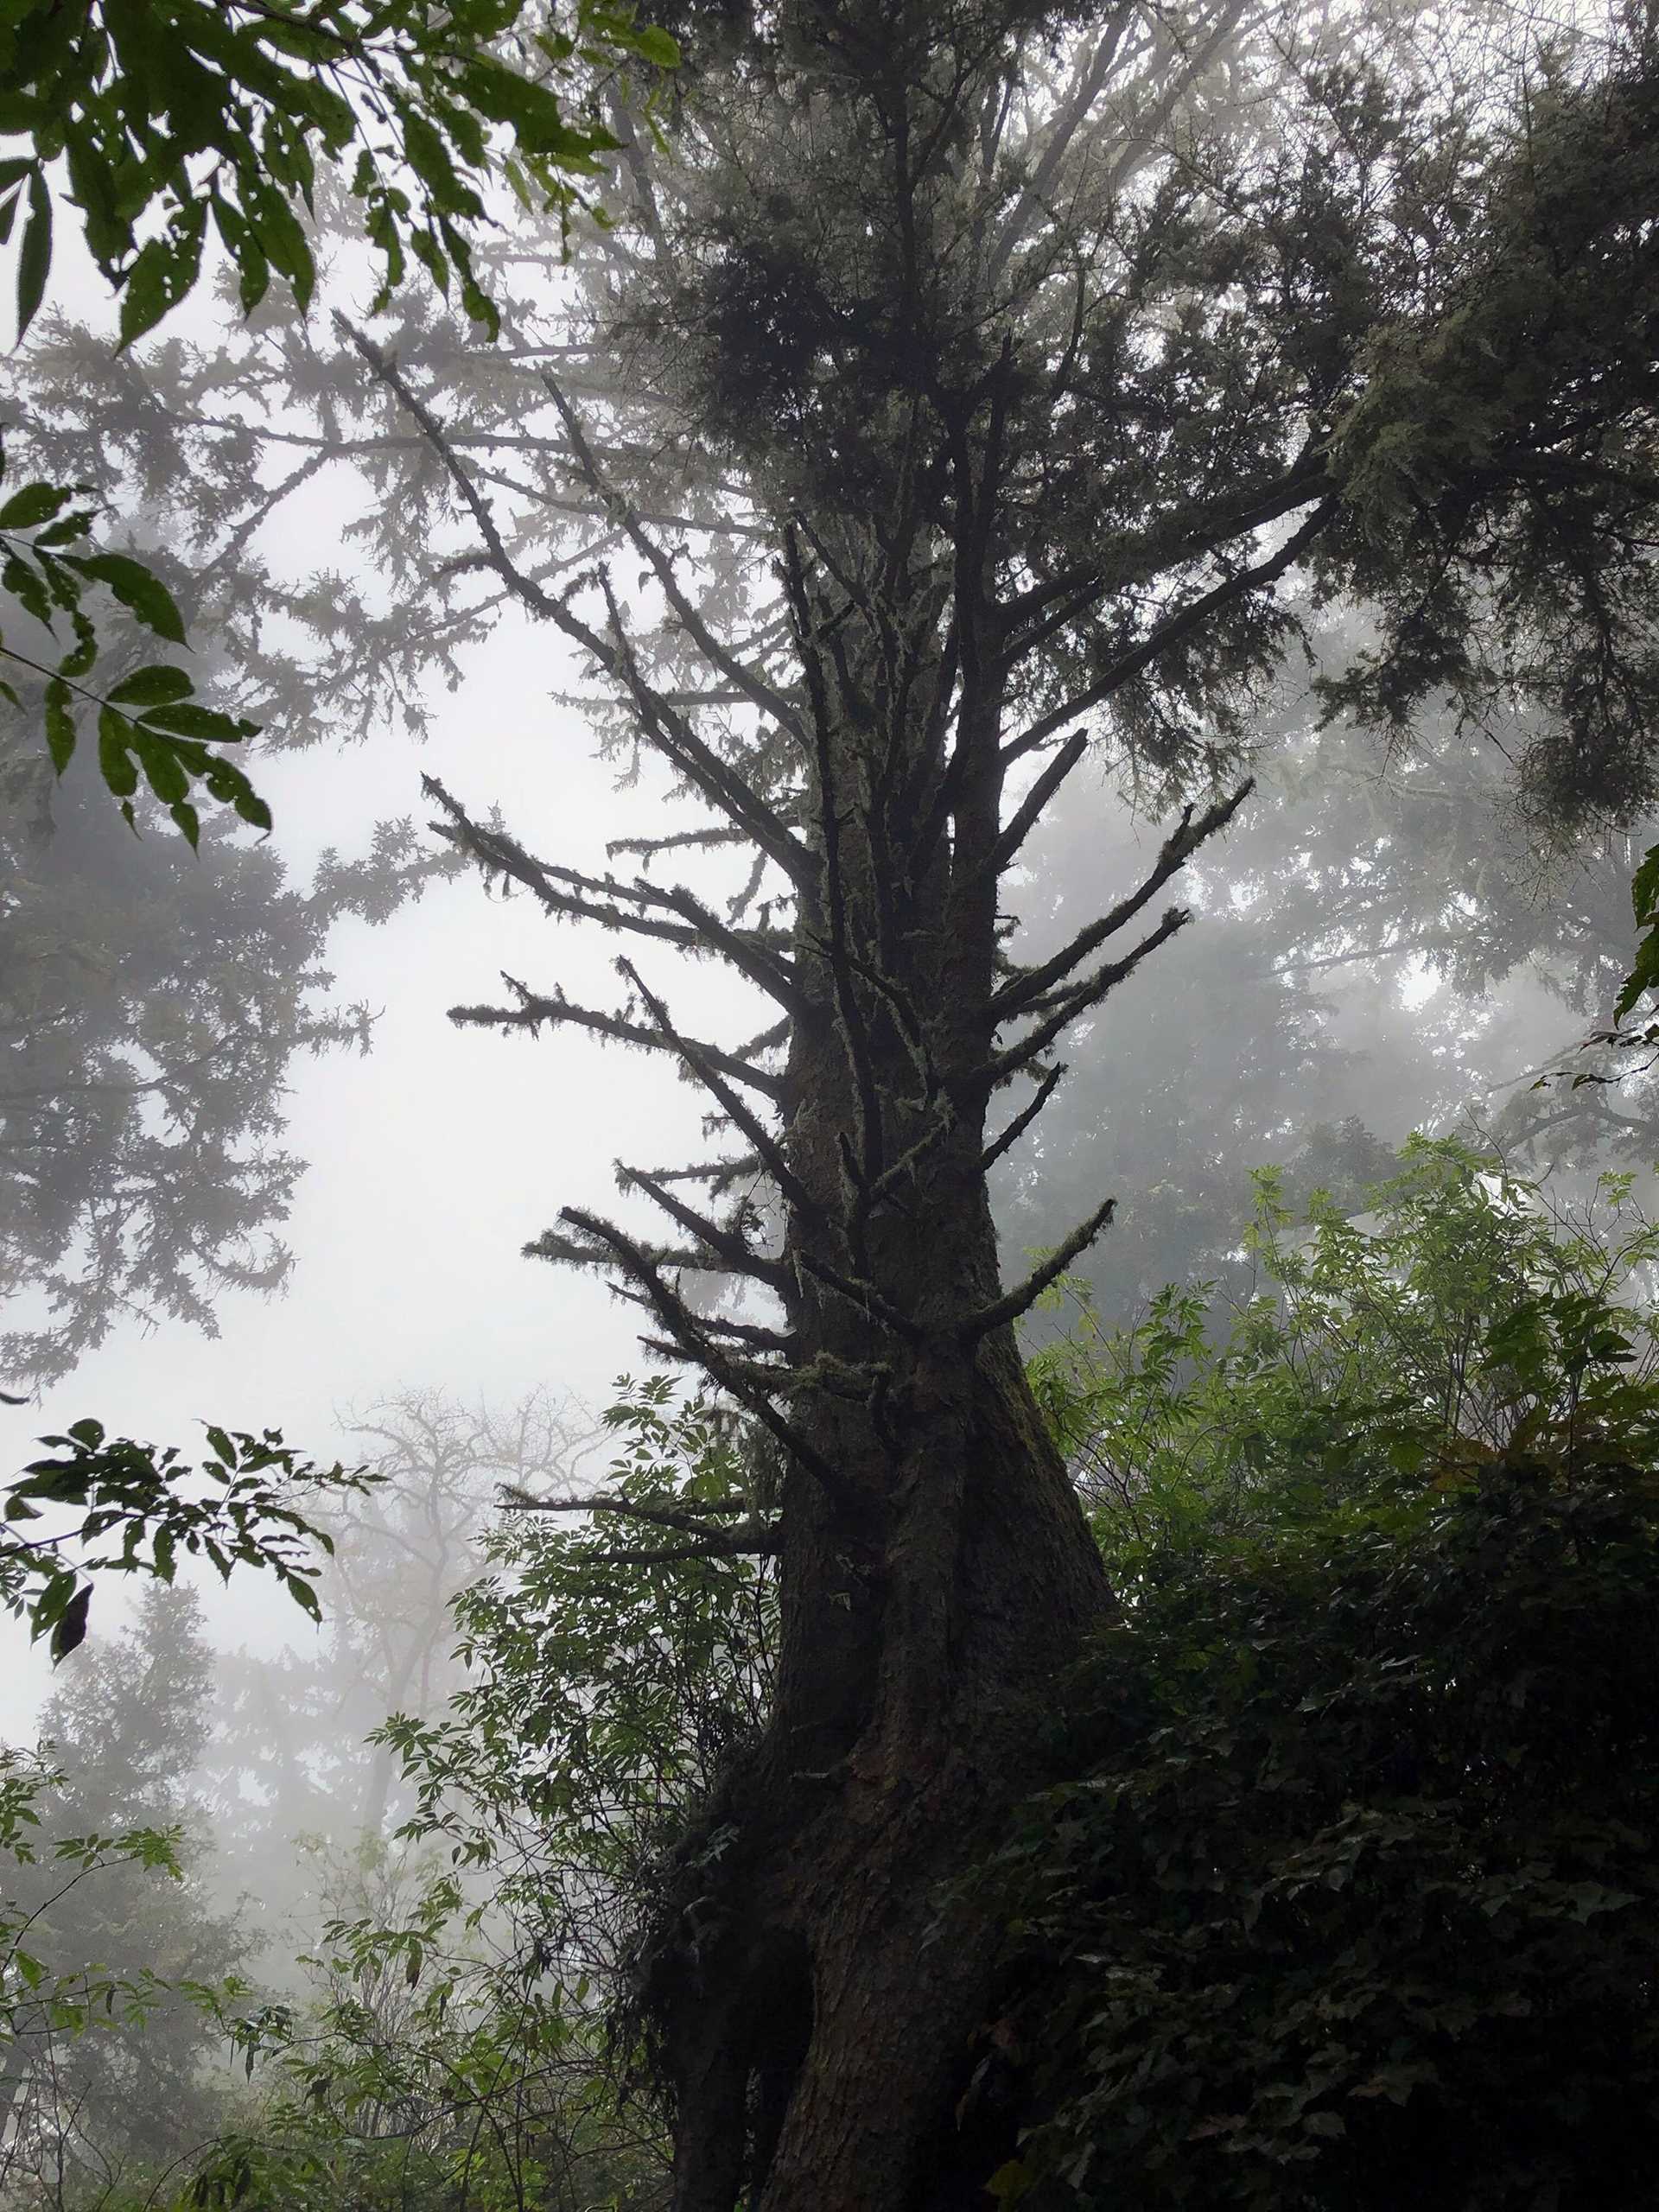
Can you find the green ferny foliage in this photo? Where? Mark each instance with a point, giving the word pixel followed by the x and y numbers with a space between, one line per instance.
pixel 1461 1319
pixel 1350 1889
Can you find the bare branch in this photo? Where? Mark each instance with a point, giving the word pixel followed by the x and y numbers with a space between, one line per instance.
pixel 864 1295
pixel 1048 606
pixel 1036 800
pixel 1022 1120
pixel 647 848
pixel 1088 80
pixel 685 1516
pixel 530 594
pixel 752 1335
pixel 707 1069
pixel 534 1009
pixel 1068 1005
pixel 563 891
pixel 1173 630
pixel 566 1252
pixel 724 1244
pixel 720 783
pixel 1008 1309
pixel 694 1342
pixel 754 686
pixel 724 788
pixel 1025 992
pixel 761 1541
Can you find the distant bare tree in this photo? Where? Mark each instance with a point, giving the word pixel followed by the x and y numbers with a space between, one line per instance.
pixel 290 1755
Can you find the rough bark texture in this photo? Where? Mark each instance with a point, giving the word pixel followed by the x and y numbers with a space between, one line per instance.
pixel 936 1571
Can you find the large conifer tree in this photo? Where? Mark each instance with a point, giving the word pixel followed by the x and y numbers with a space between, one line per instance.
pixel 1048 356
pixel 977 382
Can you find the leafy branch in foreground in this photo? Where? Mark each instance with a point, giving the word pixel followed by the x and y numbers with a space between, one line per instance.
pixel 199 110
pixel 170 114
pixel 133 1495
pixel 151 718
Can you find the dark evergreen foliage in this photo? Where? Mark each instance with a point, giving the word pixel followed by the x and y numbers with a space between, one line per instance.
pixel 1364 1902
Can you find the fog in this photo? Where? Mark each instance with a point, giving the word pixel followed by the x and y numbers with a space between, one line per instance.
pixel 1385 939
pixel 430 1160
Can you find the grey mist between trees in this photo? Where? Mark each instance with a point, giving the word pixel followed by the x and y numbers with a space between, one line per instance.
pixel 955 765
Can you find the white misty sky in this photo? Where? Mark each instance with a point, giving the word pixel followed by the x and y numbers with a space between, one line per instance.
pixel 437 1156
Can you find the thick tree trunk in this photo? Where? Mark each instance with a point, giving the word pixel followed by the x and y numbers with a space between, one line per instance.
pixel 937 1574
pixel 825 2038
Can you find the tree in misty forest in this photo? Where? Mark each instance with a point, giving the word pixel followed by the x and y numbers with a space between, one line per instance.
pixel 126 1726
pixel 1025 378
pixel 289 1755
pixel 1044 361
pixel 151 1005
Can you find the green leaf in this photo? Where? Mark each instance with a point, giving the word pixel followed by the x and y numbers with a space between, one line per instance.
pixel 139 589
pixel 69 1632
pixel 238 52
pixel 653 45
pixel 154 686
pixel 115 761
pixel 188 719
pixel 33 505
pixel 35 256
pixel 166 270
pixel 167 775
pixel 1644 889
pixel 72 526
pixel 278 230
pixel 303 1596
pixel 26 587
pixel 1644 976
pixel 59 724
pixel 253 265
pixel 82 654
pixel 252 809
